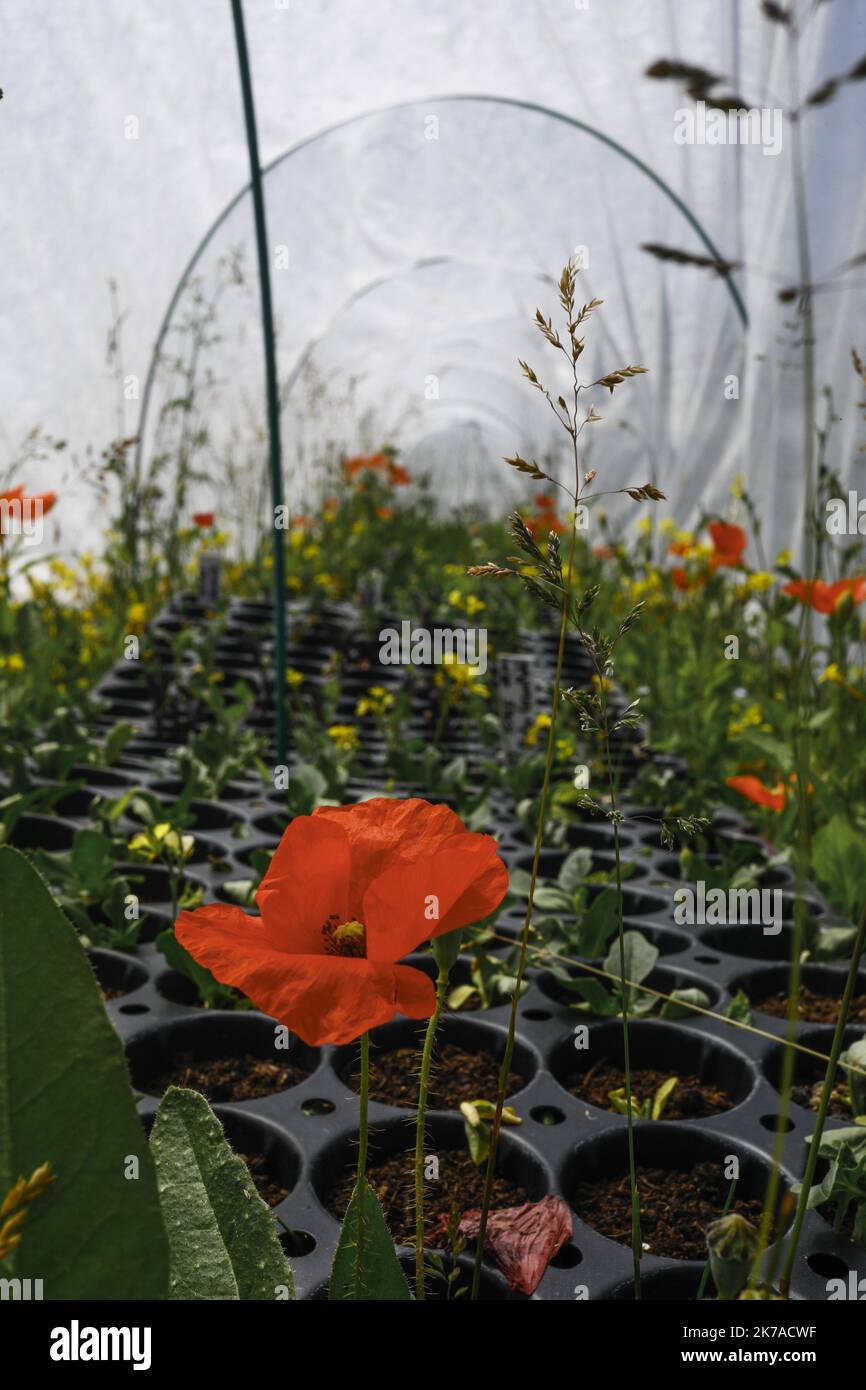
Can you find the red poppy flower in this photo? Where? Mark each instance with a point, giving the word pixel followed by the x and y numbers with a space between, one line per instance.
pixel 22 505
pixel 754 789
pixel 824 597
pixel 203 518
pixel 346 896
pixel 729 542
pixel 681 578
pixel 545 518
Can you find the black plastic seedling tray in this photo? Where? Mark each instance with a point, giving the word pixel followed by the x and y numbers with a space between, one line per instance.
pixel 306 1134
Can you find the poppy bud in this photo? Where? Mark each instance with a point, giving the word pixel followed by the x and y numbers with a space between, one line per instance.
pixel 732 1242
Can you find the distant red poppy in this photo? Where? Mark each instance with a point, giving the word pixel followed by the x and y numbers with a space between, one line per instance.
pixel 729 542
pixel 203 518
pixel 545 518
pixel 752 788
pixel 349 892
pixel 24 505
pixel 681 578
pixel 394 473
pixel 824 597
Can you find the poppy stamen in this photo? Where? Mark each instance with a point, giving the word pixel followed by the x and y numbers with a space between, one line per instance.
pixel 344 938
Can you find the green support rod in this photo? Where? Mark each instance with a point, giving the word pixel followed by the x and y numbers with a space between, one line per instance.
pixel 279 570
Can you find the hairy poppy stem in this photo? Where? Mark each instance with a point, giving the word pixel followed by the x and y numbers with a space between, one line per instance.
pixel 361 1178
pixel 423 1087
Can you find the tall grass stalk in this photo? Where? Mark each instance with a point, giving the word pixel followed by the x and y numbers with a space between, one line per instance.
pixel 546 582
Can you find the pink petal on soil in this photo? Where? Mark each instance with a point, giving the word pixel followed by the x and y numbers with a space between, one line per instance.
pixel 523 1240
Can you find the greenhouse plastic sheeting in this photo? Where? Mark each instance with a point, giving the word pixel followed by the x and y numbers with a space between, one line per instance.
pixel 413 235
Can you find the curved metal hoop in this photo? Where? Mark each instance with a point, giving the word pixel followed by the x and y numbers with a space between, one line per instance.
pixel 561 116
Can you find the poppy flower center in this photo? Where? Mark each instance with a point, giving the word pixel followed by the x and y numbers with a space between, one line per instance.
pixel 344 938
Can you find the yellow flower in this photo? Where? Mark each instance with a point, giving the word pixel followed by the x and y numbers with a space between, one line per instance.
pixel 836 677
pixel 667 526
pixel 137 615
pixel 602 683
pixel 311 552
pixel 751 718
pixel 760 581
pixel 737 485
pixel 329 582
pixel 14 662
pixel 644 526
pixel 344 736
pixel 377 701
pixel 294 678
pixel 783 558
pixel 358 528
pixel 162 840
pixel 542 721
pixel 297 539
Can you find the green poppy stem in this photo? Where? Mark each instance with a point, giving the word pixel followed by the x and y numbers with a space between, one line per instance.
pixel 423 1087
pixel 363 1141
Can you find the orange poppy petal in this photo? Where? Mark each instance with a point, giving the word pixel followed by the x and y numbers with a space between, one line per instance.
pixel 416 993
pixel 324 999
pixel 381 831
pixel 306 883
pixel 466 878
pixel 754 790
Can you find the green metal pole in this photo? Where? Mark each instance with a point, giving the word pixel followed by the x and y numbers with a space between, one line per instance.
pixel 279 570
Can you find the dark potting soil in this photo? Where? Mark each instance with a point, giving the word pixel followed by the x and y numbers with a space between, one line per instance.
pixel 456 1075
pixel 268 1188
pixel 692 1099
pixel 461 1183
pixel 675 1208
pixel 808 1094
pixel 242 1077
pixel 812 1008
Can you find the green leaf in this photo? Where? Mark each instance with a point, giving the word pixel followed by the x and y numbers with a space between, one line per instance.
pixel 550 899
pixel 839 861
pixel 115 741
pixel 640 956
pixel 92 857
pixel 598 925
pixel 65 1099
pixel 222 1237
pixel 591 990
pixel 854 1062
pixel 375 1274
pixel 662 1096
pixel 460 995
pixel 575 869
pixel 677 1005
pixel 739 1008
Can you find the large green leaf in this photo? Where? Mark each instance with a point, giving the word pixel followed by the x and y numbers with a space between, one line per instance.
pixel 839 861
pixel 65 1099
pixel 222 1237
pixel 374 1275
pixel 639 956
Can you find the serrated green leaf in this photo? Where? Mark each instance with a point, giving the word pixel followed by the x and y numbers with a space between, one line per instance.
pixel 222 1237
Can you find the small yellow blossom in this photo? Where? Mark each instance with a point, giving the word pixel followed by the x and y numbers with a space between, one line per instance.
pixel 294 678
pixel 542 721
pixel 783 558
pixel 760 582
pixel 344 736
